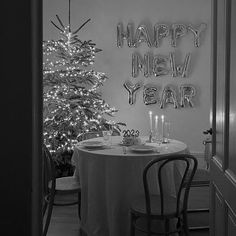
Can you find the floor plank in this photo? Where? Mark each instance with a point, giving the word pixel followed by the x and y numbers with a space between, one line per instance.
pixel 64 221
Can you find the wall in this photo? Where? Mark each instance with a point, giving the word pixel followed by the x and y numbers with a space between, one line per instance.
pixel 188 123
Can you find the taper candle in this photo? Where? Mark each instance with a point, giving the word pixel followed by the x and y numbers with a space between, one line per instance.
pixel 150 116
pixel 162 120
pixel 156 123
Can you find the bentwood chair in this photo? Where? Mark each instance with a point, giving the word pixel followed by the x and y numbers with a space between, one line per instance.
pixel 152 214
pixel 57 186
pixel 93 134
pixel 48 193
pixel 90 135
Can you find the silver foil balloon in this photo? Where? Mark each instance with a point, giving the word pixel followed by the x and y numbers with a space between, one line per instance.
pixel 129 133
pixel 160 67
pixel 172 65
pixel 177 30
pixel 160 31
pixel 132 89
pixel 150 95
pixel 179 70
pixel 168 97
pixel 187 92
pixel 196 32
pixel 142 35
pixel 139 63
pixel 185 66
pixel 121 35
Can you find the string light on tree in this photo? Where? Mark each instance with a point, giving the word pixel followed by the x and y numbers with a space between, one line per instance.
pixel 72 101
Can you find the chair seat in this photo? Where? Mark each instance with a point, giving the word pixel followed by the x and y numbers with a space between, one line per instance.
pixel 139 206
pixel 66 184
pixel 157 226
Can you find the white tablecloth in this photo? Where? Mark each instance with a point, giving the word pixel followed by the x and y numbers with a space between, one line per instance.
pixel 110 180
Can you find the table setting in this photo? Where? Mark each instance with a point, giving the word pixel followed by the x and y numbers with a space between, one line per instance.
pixel 130 141
pixel 134 147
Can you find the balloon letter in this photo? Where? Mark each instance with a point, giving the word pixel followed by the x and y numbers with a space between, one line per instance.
pixel 180 70
pixel 160 65
pixel 132 89
pixel 178 30
pixel 142 35
pixel 121 35
pixel 186 94
pixel 140 64
pixel 160 31
pixel 197 32
pixel 168 96
pixel 150 95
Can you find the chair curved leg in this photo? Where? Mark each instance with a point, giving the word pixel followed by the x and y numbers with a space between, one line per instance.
pixel 79 205
pixel 149 227
pixel 132 229
pixel 167 226
pixel 49 214
pixel 185 224
pixel 179 226
pixel 45 205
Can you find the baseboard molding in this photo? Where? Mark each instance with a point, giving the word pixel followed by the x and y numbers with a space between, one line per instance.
pixel 198 155
pixel 200 158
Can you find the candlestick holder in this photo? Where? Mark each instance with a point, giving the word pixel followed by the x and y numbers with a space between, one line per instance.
pixel 166 133
pixel 157 137
pixel 164 140
pixel 163 137
pixel 150 137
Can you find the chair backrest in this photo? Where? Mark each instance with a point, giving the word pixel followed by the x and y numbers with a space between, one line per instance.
pixel 48 170
pixel 189 164
pixel 90 135
pixel 93 134
pixel 48 193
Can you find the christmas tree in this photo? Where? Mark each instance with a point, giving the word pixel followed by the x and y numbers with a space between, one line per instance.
pixel 73 102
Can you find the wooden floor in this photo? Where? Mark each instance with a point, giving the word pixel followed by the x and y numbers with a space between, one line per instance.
pixel 64 221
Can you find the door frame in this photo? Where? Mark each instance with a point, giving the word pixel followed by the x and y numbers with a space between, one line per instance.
pixel 220 177
pixel 37 118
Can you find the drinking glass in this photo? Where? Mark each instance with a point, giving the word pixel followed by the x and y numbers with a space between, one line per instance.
pixel 167 130
pixel 157 137
pixel 107 136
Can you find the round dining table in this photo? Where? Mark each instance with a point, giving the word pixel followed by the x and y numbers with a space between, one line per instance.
pixel 111 176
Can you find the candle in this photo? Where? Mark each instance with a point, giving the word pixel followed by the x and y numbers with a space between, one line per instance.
pixel 150 116
pixel 156 123
pixel 162 120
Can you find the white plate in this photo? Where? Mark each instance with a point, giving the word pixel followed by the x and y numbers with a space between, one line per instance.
pixel 142 148
pixel 92 144
pixel 123 144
